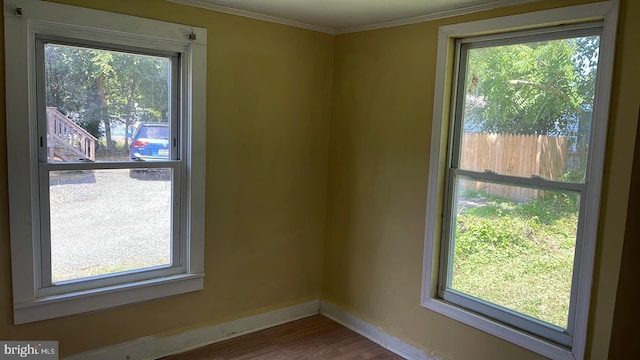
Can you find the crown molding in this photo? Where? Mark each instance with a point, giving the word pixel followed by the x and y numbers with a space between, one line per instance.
pixel 433 16
pixel 253 15
pixel 335 31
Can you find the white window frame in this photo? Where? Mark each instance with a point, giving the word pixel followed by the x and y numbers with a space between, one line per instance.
pixel 575 347
pixel 25 20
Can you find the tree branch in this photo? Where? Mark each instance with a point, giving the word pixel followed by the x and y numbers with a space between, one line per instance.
pixel 541 87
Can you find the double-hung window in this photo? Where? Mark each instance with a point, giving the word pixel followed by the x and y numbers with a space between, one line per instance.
pixel 516 168
pixel 105 125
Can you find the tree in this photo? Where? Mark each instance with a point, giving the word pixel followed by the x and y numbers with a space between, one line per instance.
pixel 139 89
pixel 64 81
pixel 104 88
pixel 537 88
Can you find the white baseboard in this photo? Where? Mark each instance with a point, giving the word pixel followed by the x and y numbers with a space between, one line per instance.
pixel 374 333
pixel 151 347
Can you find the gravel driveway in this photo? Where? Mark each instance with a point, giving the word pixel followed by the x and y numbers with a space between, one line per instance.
pixel 103 222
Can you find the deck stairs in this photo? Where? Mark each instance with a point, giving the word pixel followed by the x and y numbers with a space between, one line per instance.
pixel 66 140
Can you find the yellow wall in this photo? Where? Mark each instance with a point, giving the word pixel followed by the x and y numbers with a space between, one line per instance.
pixel 268 90
pixel 378 158
pixel 282 104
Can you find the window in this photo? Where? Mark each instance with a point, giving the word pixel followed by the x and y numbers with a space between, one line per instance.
pixel 515 175
pixel 105 125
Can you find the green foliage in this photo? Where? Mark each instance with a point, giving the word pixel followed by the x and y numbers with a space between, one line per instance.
pixel 537 88
pixel 519 256
pixel 106 88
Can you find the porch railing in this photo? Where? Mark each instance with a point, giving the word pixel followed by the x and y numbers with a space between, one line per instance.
pixel 66 140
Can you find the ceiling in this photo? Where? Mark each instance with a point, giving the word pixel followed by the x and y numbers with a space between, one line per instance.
pixel 340 16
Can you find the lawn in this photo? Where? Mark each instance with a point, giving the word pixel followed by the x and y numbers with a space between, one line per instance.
pixel 517 255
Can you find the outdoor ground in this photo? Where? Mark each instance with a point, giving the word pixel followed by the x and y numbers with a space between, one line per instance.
pixel 136 213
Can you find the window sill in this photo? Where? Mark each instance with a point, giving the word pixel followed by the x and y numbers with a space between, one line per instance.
pixel 505 332
pixel 53 306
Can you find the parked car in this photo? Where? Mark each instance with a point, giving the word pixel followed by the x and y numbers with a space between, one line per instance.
pixel 150 142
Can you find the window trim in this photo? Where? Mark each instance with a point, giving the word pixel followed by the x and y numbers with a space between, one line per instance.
pixel 463 46
pixel 443 101
pixel 38 17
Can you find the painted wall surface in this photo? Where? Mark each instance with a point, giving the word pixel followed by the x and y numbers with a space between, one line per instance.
pixel 626 317
pixel 268 90
pixel 378 160
pixel 281 103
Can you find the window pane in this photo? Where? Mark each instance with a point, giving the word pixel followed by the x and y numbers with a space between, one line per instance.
pixel 97 100
pixel 528 107
pixel 109 221
pixel 514 247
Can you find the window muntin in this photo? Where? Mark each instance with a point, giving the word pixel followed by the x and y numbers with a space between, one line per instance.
pixel 515 198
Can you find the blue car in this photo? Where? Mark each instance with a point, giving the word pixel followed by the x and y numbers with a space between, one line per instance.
pixel 150 142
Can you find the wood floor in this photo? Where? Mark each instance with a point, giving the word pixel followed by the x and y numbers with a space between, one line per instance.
pixel 315 337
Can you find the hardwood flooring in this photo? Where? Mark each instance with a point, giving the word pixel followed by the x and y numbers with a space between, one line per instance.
pixel 315 337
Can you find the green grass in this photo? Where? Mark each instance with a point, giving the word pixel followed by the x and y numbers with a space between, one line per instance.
pixel 515 255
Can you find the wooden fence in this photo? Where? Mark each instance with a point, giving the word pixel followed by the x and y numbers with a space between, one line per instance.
pixel 516 155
